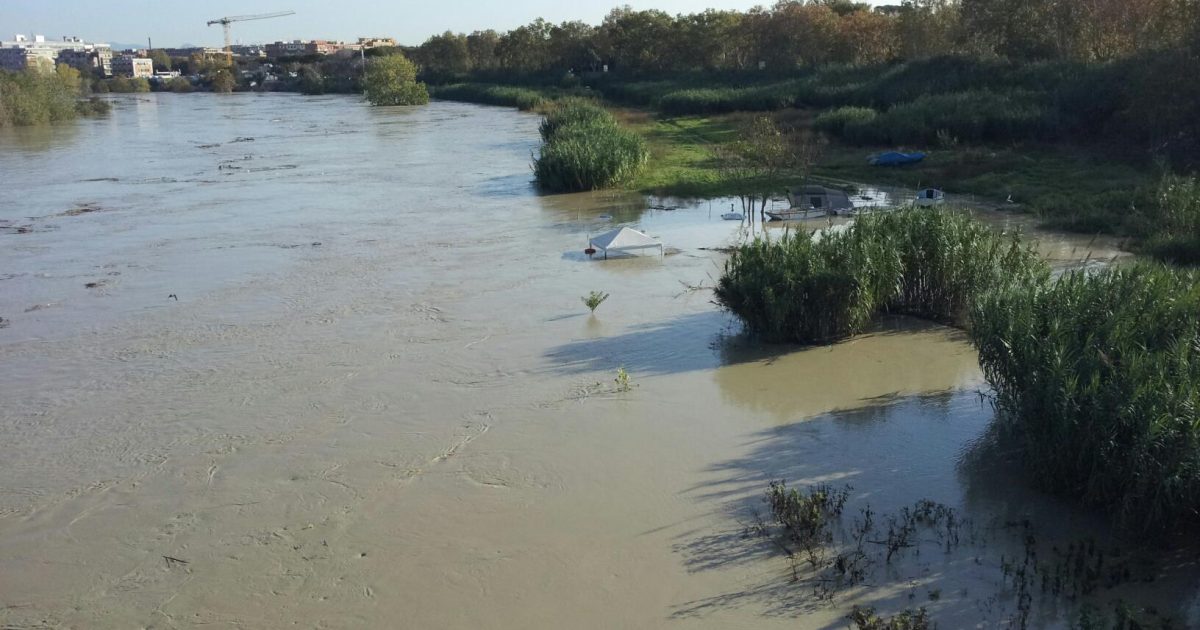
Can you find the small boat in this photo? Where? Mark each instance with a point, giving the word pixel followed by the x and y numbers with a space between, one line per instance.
pixel 810 202
pixel 895 158
pixel 733 216
pixel 795 214
pixel 929 198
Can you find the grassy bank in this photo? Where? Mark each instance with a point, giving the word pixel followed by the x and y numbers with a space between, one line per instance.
pixel 1069 186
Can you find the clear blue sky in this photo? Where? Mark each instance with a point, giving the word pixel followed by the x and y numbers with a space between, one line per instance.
pixel 175 22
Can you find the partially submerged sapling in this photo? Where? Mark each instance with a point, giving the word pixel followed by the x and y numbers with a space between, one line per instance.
pixel 594 299
pixel 622 380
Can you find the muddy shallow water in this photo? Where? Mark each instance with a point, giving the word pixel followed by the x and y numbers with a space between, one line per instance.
pixel 278 361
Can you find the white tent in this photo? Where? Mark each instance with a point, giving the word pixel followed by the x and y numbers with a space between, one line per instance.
pixel 624 240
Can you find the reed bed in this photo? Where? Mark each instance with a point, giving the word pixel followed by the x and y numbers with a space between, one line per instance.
pixel 1097 378
pixel 584 149
pixel 927 263
pixel 524 99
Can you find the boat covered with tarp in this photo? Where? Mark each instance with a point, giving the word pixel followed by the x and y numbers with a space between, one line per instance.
pixel 895 158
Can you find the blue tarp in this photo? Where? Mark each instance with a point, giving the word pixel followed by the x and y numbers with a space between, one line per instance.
pixel 895 158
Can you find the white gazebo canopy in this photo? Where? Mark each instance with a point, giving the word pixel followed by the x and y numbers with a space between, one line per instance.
pixel 624 240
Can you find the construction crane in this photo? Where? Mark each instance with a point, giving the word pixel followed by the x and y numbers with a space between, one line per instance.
pixel 226 21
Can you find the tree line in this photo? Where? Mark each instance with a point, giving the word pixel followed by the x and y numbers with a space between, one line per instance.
pixel 800 33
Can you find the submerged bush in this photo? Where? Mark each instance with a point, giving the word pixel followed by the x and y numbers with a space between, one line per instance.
pixel 834 121
pixel 35 98
pixel 928 263
pixel 1097 378
pixel 584 149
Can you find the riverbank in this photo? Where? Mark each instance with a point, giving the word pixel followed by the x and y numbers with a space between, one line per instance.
pixel 1065 186
pixel 371 401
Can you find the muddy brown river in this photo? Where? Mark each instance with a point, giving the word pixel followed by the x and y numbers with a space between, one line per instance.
pixel 276 361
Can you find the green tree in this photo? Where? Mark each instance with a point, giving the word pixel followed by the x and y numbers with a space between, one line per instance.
pixel 481 47
pixel 162 62
pixel 311 81
pixel 179 85
pixel 223 81
pixel 392 80
pixel 444 55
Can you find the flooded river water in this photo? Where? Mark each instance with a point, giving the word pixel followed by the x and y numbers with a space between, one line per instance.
pixel 281 361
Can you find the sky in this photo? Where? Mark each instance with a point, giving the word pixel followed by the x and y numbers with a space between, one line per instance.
pixel 175 23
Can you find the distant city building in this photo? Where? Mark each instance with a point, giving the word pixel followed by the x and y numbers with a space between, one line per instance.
pixel 249 50
pixel 298 47
pixel 376 42
pixel 294 48
pixel 194 50
pixel 128 65
pixel 99 59
pixel 22 52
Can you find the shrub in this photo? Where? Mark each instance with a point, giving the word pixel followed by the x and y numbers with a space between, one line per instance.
pixel 392 80
pixel 35 98
pixel 584 149
pixel 522 98
pixel 128 85
pixel 927 263
pixel 179 85
pixel 1097 378
pixel 575 112
pixel 982 116
pixel 834 121
pixel 92 107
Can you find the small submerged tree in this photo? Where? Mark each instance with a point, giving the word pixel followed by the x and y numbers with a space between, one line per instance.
pixel 223 81
pixel 763 159
pixel 392 80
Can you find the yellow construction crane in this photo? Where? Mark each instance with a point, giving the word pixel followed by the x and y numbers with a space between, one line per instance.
pixel 226 21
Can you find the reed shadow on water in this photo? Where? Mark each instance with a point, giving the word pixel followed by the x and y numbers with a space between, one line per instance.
pixel 685 344
pixel 894 452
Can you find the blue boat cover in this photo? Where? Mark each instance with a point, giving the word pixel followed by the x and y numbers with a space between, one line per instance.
pixel 895 158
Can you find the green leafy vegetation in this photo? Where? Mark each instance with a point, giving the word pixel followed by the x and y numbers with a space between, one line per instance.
pixel 223 81
pixel 124 85
pixel 594 299
pixel 37 98
pixel 927 263
pixel 522 98
pixel 392 80
pixel 622 381
pixel 866 619
pixel 585 149
pixel 1097 377
pixel 1173 221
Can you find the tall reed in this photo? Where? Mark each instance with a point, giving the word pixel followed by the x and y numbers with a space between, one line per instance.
pixel 928 263
pixel 1097 378
pixel 585 149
